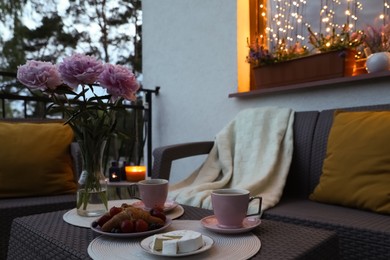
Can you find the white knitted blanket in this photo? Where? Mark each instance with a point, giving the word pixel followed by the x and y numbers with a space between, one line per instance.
pixel 252 152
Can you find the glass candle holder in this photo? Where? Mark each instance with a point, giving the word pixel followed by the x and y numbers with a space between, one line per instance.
pixel 135 173
pixel 114 173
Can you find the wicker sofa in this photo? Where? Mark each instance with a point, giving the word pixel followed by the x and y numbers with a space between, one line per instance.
pixel 362 234
pixel 13 207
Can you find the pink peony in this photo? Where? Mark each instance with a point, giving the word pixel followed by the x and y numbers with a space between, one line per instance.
pixel 119 81
pixel 80 69
pixel 39 75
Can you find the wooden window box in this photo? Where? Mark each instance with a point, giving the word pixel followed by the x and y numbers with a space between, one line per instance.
pixel 334 64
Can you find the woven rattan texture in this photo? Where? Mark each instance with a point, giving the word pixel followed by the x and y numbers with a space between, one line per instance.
pixel 362 234
pixel 298 178
pixel 47 236
pixel 164 156
pixel 17 207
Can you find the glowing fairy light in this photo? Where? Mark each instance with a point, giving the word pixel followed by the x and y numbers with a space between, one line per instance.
pixel 331 10
pixel 385 15
pixel 287 22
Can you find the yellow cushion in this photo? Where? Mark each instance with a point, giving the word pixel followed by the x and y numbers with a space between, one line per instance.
pixel 35 159
pixel 356 170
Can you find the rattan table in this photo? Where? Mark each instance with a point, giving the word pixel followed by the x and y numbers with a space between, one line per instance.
pixel 47 236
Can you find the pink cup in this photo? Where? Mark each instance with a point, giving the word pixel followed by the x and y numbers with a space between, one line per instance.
pixel 231 206
pixel 153 192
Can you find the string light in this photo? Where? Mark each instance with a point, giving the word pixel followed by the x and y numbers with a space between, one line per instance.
pixel 385 15
pixel 287 22
pixel 288 19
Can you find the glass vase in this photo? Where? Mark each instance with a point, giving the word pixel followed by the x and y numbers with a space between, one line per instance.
pixel 92 189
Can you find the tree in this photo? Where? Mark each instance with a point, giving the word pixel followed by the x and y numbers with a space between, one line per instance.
pixel 107 29
pixel 112 21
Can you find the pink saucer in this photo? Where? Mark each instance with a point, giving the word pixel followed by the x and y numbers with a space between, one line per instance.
pixel 248 224
pixel 168 206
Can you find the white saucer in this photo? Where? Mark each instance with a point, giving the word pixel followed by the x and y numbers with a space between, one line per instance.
pixel 147 245
pixel 175 213
pixel 248 224
pixel 168 206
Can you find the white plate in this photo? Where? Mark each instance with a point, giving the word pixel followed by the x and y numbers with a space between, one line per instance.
pixel 168 222
pixel 74 219
pixel 248 224
pixel 168 206
pixel 147 245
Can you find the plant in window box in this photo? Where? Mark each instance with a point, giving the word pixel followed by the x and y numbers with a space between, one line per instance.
pixel 347 43
pixel 377 47
pixel 283 52
pixel 290 66
pixel 270 69
pixel 345 40
pixel 260 56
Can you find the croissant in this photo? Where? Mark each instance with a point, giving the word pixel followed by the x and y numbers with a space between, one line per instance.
pixel 115 221
pixel 137 213
pixel 130 213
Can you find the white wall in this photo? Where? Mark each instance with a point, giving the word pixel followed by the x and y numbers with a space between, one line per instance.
pixel 190 50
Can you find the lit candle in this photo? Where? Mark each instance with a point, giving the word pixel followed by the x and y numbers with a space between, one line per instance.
pixel 135 173
pixel 114 173
pixel 114 177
